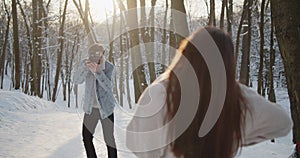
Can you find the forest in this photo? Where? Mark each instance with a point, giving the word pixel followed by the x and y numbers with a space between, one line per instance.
pixel 42 42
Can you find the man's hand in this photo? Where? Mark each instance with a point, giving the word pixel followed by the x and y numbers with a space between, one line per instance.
pixel 93 66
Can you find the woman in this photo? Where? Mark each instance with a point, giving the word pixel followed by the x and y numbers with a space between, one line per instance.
pixel 99 102
pixel 246 118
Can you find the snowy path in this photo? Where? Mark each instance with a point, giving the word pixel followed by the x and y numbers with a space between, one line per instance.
pixel 46 134
pixel 51 131
pixel 53 134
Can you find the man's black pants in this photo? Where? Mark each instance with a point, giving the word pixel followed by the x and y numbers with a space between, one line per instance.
pixel 89 124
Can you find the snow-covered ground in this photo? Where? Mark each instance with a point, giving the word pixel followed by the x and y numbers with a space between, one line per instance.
pixel 32 127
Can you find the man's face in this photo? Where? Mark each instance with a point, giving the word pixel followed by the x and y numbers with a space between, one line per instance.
pixel 95 56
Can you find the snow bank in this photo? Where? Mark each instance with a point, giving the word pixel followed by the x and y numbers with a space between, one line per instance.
pixel 17 101
pixel 13 102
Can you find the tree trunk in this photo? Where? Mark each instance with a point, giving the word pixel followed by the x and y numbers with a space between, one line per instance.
pixel 179 20
pixel 29 54
pixel 262 43
pixel 12 71
pixel 138 70
pixel 41 17
pixel 285 15
pixel 229 13
pixel 128 83
pixel 224 3
pixel 212 17
pixel 245 64
pixel 71 66
pixel 127 61
pixel 151 51
pixel 143 22
pixel 111 35
pixel 164 40
pixel 34 49
pixel 60 52
pixel 85 20
pixel 172 41
pixel 121 80
pixel 237 44
pixel 75 86
pixel 64 84
pixel 271 94
pixel 124 43
pixel 36 58
pixel 3 51
pixel 16 48
pixel 67 71
pixel 47 66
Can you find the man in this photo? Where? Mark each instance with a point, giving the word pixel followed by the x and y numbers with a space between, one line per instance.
pixel 99 101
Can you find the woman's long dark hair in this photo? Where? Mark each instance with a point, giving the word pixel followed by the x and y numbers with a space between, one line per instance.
pixel 225 137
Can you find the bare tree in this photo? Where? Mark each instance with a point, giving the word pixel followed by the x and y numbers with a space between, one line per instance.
pixel 262 43
pixel 121 78
pixel 3 50
pixel 64 73
pixel 179 20
pixel 111 34
pixel 285 15
pixel 36 66
pixel 245 63
pixel 237 44
pixel 84 17
pixel 229 15
pixel 124 45
pixel 143 21
pixel 28 52
pixel 212 17
pixel 139 73
pixel 172 39
pixel 16 48
pixel 164 39
pixel 74 51
pixel 47 54
pixel 151 50
pixel 224 3
pixel 271 94
pixel 60 51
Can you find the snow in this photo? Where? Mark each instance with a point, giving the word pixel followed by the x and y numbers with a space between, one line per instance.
pixel 33 127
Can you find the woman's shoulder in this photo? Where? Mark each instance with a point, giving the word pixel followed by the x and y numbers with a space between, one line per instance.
pixel 154 94
pixel 157 89
pixel 247 91
pixel 162 80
